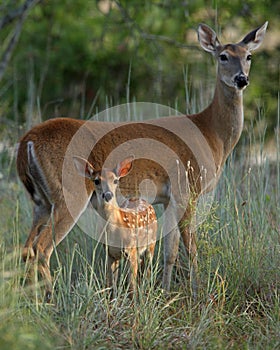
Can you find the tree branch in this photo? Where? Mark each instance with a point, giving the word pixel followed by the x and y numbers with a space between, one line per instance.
pixel 10 47
pixel 167 40
pixel 12 15
pixel 20 13
pixel 152 37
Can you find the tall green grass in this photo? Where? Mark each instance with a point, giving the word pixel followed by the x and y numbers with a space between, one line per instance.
pixel 239 258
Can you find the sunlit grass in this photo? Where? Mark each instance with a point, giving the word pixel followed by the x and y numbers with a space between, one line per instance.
pixel 239 258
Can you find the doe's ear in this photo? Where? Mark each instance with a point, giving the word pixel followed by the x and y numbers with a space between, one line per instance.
pixel 208 38
pixel 255 38
pixel 124 167
pixel 84 168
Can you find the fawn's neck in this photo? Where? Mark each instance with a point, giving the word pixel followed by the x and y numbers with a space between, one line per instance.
pixel 110 211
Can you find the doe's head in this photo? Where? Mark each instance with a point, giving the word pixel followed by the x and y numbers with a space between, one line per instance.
pixel 234 60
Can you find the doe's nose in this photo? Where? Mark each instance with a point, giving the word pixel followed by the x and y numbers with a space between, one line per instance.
pixel 241 80
pixel 107 196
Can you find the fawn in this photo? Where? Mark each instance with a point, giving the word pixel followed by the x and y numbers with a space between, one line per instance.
pixel 131 228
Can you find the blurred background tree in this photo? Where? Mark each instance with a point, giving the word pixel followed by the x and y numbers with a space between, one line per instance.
pixel 74 57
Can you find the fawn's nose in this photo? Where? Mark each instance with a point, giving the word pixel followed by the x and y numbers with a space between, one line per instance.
pixel 241 80
pixel 107 196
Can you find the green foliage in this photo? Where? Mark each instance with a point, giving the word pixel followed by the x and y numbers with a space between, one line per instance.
pixel 72 53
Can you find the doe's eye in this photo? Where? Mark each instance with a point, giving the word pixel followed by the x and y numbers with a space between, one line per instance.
pixel 116 181
pixel 96 182
pixel 249 57
pixel 223 57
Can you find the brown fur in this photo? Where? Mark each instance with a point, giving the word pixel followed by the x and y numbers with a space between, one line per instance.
pixel 204 139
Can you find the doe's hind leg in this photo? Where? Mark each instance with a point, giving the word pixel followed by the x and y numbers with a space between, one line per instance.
pixel 44 236
pixel 41 217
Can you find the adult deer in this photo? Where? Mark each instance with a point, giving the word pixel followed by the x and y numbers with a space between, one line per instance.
pixel 182 156
pixel 131 228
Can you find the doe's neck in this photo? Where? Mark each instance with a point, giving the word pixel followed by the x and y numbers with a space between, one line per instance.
pixel 226 115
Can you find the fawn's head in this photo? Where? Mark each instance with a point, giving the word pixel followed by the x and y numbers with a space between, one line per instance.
pixel 106 180
pixel 234 60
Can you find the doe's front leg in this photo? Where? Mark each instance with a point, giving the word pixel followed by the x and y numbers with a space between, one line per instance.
pixel 171 247
pixel 171 240
pixel 188 233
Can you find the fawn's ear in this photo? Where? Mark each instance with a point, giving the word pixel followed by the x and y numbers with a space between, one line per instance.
pixel 124 167
pixel 84 167
pixel 255 38
pixel 208 38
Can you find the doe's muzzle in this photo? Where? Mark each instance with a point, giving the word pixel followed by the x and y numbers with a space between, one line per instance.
pixel 241 80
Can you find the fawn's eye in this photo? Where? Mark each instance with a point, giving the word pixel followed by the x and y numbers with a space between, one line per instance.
pixel 249 57
pixel 223 57
pixel 116 181
pixel 96 182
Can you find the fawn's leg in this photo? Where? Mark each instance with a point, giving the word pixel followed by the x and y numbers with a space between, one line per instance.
pixel 112 272
pixel 133 262
pixel 150 254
